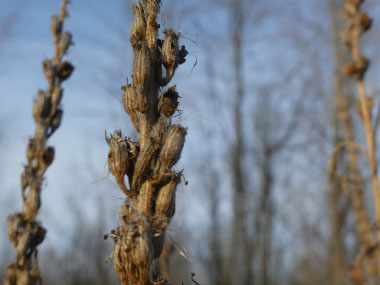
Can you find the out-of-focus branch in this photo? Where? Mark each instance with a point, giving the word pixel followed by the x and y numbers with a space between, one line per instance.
pixel 25 233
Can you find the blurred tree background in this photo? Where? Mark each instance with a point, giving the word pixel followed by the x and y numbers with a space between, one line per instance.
pixel 259 91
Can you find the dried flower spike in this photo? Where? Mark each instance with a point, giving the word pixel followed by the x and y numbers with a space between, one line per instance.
pixel 24 232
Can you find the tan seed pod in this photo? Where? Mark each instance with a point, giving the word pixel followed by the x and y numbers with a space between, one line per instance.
pixel 55 121
pixel 170 49
pixel 130 104
pixel 48 69
pixel 171 151
pixel 350 6
pixel 142 68
pixel 118 159
pixel 32 202
pixel 165 202
pixel 64 41
pixel 138 26
pixel 56 96
pixel 356 69
pixel 55 26
pixel 15 224
pixel 346 36
pixel 168 103
pixel 31 150
pixel 41 106
pixel 144 200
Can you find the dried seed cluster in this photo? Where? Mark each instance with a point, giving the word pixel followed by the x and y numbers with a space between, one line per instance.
pixel 24 232
pixel 147 163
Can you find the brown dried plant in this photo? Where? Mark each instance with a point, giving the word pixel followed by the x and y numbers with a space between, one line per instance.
pixel 356 24
pixel 24 231
pixel 148 163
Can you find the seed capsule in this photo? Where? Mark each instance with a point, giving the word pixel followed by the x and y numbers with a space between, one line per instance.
pixel 356 69
pixel 64 41
pixel 170 49
pixel 48 69
pixel 138 26
pixel 171 151
pixel 47 156
pixel 55 26
pixel 142 68
pixel 65 69
pixel 41 106
pixel 118 159
pixel 168 103
pixel 55 121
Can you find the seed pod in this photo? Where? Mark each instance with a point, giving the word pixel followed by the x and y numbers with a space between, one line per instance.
pixel 15 225
pixel 32 202
pixel 48 69
pixel 144 201
pixel 170 49
pixel 64 70
pixel 165 202
pixel 356 69
pixel 64 41
pixel 55 26
pixel 351 6
pixel 171 151
pixel 31 150
pixel 138 26
pixel 55 121
pixel 41 106
pixel 130 104
pixel 365 22
pixel 346 36
pixel 47 157
pixel 56 95
pixel 118 159
pixel 142 68
pixel 168 103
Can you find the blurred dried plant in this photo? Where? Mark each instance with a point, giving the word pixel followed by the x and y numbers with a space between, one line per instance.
pixel 25 233
pixel 148 162
pixel 356 24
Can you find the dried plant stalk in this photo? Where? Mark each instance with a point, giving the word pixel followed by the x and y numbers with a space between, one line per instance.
pixel 357 23
pixel 148 163
pixel 25 233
